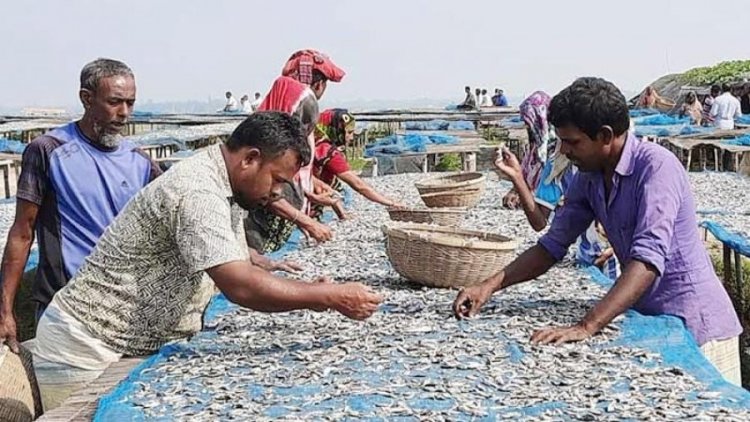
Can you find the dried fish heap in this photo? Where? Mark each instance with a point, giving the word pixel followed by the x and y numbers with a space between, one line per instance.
pixel 414 361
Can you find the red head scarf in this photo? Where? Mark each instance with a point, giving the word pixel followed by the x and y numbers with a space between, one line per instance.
pixel 301 64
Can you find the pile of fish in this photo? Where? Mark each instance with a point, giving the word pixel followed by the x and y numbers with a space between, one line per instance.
pixel 413 360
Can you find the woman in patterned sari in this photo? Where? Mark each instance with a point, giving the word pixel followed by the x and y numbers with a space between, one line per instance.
pixel 335 130
pixel 534 114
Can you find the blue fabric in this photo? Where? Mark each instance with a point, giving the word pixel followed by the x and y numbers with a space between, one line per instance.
pixel 436 125
pixel 501 101
pixel 11 146
pixel 409 142
pixel 735 241
pixel 744 119
pixel 640 112
pixel 660 120
pixel 78 172
pixel 743 140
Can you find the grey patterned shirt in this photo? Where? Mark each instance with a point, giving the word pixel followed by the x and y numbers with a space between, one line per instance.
pixel 145 284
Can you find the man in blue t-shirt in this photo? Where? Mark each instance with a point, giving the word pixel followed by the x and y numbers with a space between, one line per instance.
pixel 499 99
pixel 74 181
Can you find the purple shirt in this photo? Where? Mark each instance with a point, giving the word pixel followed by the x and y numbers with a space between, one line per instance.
pixel 650 217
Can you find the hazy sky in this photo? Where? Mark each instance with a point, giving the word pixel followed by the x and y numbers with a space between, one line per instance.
pixel 190 49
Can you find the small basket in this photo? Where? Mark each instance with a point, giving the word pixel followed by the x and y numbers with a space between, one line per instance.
pixel 19 392
pixel 451 182
pixel 440 216
pixel 461 198
pixel 437 256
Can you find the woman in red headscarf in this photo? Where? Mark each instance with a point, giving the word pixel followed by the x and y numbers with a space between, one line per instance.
pixel 304 80
pixel 334 131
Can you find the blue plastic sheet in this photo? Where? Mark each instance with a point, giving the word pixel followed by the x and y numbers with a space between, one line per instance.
pixel 640 112
pixel 409 142
pixel 735 241
pixel 440 125
pixel 742 140
pixel 12 147
pixel 660 120
pixel 744 119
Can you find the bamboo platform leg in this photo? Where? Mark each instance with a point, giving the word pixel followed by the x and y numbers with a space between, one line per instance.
pixel 727 263
pixel 703 159
pixel 716 159
pixel 689 159
pixel 738 279
pixel 6 180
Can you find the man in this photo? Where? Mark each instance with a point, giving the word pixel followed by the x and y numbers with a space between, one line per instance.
pixel 256 103
pixel 231 105
pixel 486 102
pixel 303 81
pixel 725 109
pixel 499 100
pixel 130 296
pixel 745 98
pixel 708 104
pixel 245 106
pixel 74 181
pixel 641 194
pixel 470 102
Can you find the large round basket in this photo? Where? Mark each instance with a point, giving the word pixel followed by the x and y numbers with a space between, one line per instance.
pixel 19 393
pixel 440 216
pixel 451 182
pixel 438 256
pixel 461 198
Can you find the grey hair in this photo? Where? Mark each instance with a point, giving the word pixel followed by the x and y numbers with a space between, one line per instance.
pixel 100 68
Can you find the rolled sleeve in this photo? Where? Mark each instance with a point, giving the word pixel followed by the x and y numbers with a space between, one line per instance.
pixel 658 203
pixel 571 220
pixel 33 182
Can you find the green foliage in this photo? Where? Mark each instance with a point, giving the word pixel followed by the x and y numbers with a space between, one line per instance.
pixel 728 71
pixel 449 162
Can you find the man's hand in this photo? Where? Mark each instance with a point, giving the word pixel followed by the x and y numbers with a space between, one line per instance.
pixel 8 331
pixel 560 335
pixel 356 301
pixel 511 200
pixel 507 164
pixel 603 257
pixel 471 299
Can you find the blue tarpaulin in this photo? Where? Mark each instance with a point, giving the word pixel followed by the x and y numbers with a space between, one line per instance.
pixel 735 241
pixel 640 112
pixel 742 140
pixel 409 142
pixel 12 147
pixel 744 119
pixel 440 125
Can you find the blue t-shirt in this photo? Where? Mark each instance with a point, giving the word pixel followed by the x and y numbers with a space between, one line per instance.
pixel 501 101
pixel 549 193
pixel 79 188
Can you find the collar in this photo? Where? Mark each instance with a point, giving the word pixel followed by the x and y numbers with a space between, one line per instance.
pixel 626 164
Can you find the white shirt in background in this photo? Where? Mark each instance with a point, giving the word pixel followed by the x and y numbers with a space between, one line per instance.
pixel 247 107
pixel 486 101
pixel 256 103
pixel 725 109
pixel 231 104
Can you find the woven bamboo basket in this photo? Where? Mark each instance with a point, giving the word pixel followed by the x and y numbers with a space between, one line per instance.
pixel 437 256
pixel 451 182
pixel 461 198
pixel 19 393
pixel 440 216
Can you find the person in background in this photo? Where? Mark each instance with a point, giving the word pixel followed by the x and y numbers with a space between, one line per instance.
pixel 486 101
pixel 649 99
pixel 708 103
pixel 334 131
pixel 725 109
pixel 533 111
pixel 245 106
pixel 641 194
pixel 470 102
pixel 74 180
pixel 692 108
pixel 745 99
pixel 131 295
pixel 231 105
pixel 256 102
pixel 478 96
pixel 303 82
pixel 499 100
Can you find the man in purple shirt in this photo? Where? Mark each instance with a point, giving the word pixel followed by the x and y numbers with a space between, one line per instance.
pixel 641 194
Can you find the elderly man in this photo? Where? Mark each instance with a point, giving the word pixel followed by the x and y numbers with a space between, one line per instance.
pixel 131 295
pixel 74 181
pixel 641 194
